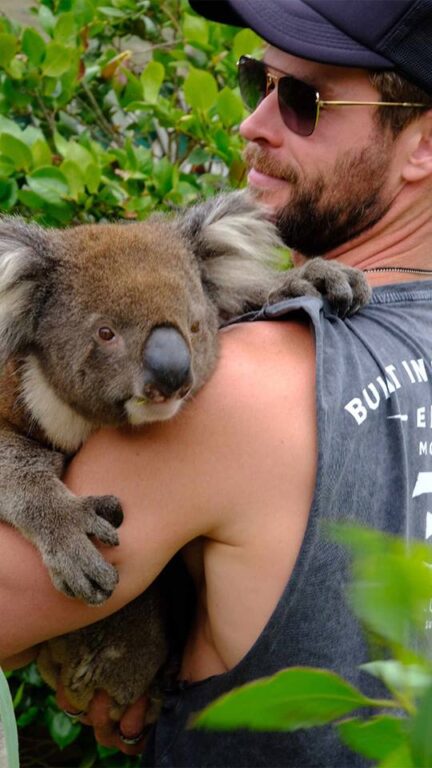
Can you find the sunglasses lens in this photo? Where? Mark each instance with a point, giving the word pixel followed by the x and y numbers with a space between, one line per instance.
pixel 252 81
pixel 297 104
pixel 297 100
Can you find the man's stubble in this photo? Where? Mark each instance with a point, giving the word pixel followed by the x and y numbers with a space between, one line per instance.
pixel 328 210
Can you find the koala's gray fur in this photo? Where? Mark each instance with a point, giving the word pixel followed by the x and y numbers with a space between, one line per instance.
pixel 162 287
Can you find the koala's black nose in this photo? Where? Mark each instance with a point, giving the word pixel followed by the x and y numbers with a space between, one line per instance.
pixel 167 362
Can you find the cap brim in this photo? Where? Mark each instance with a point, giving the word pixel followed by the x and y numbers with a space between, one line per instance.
pixel 293 27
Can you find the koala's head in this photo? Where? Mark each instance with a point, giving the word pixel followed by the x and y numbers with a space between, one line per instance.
pixel 119 322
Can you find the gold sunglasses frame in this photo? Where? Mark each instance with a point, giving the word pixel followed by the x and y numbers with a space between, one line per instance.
pixel 273 79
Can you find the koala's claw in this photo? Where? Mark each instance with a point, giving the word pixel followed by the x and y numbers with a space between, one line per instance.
pixel 345 288
pixel 83 574
pixel 109 508
pixel 96 518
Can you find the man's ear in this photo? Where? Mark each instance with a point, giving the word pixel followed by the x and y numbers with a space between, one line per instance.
pixel 236 245
pixel 418 164
pixel 24 268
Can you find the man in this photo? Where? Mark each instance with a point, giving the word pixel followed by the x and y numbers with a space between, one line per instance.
pixel 308 418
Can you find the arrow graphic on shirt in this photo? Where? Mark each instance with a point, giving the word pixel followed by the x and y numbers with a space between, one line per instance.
pixel 428 525
pixel 423 484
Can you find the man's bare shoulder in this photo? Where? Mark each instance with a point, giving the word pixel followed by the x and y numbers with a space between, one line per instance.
pixel 263 397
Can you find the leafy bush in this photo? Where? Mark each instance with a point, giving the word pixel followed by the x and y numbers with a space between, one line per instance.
pixel 391 593
pixel 111 108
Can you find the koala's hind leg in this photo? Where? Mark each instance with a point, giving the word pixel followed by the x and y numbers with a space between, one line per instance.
pixel 35 501
pixel 137 651
pixel 122 654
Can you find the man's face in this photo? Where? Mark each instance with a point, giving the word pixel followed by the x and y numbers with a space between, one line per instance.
pixel 329 187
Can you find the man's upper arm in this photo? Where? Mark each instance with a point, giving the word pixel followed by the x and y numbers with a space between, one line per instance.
pixel 182 479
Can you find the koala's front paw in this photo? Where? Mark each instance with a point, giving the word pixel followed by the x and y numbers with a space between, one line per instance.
pixel 345 288
pixel 75 565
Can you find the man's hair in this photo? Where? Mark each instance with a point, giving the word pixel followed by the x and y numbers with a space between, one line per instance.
pixel 394 87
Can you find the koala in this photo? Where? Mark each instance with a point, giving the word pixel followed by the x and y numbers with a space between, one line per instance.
pixel 114 324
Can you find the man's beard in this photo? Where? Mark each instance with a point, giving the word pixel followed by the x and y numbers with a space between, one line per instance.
pixel 329 210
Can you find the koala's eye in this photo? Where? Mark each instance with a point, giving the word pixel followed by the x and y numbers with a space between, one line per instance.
pixel 106 334
pixel 195 327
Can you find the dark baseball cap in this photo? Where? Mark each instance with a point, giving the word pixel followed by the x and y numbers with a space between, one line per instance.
pixel 372 34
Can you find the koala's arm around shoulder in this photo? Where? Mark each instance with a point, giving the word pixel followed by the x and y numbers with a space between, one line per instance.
pixel 157 524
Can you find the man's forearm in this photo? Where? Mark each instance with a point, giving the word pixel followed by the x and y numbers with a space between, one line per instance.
pixel 20 659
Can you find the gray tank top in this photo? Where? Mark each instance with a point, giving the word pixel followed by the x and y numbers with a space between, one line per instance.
pixel 374 410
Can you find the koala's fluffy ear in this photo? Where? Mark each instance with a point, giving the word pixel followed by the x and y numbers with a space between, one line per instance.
pixel 24 262
pixel 236 246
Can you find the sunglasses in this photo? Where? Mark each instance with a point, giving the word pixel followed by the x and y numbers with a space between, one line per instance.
pixel 299 103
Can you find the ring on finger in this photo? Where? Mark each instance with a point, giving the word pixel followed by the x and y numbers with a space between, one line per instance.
pixel 74 715
pixel 131 740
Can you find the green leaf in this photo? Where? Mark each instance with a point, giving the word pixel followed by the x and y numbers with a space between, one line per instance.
pixel 229 107
pixel 195 29
pixel 32 675
pixel 200 89
pixel 411 679
pixel 84 12
pixel 246 43
pixel 400 758
pixel 17 151
pixel 375 738
pixel 300 697
pixel 30 134
pixel 58 59
pixel 164 176
pixel 8 126
pixel 18 695
pixel 29 716
pixel 391 586
pixel 78 154
pixel 46 19
pixel 151 80
pixel 16 69
pixel 7 166
pixel 8 46
pixel 421 733
pixel 133 90
pixel 30 199
pixel 114 13
pixel 49 184
pixel 33 45
pixel 41 153
pixel 92 177
pixel 63 730
pixel 8 193
pixel 65 30
pixel 61 144
pixel 75 178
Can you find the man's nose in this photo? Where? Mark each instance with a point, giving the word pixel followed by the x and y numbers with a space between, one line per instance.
pixel 167 363
pixel 265 123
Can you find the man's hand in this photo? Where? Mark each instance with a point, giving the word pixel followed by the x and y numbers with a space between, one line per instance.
pixel 129 735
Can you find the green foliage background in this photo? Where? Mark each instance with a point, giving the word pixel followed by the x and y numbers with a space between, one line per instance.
pixel 110 109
